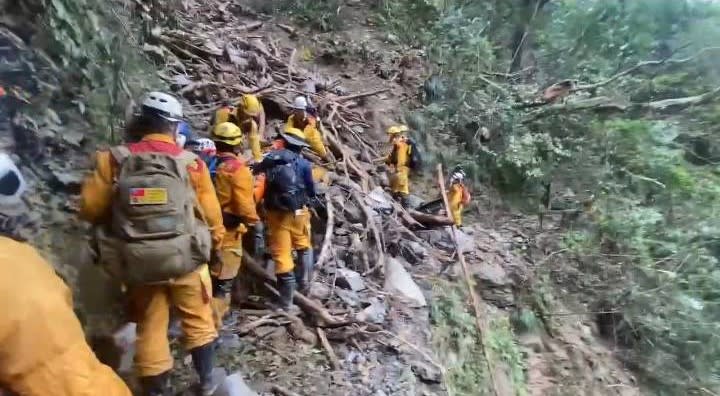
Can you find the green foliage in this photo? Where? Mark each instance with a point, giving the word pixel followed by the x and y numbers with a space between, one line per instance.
pixel 652 247
pixel 457 342
pixel 105 67
pixel 500 340
pixel 322 15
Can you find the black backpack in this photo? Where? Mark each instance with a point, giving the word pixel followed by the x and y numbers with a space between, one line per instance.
pixel 285 186
pixel 415 160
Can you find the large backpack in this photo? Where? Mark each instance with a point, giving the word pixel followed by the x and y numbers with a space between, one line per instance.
pixel 157 232
pixel 285 185
pixel 415 157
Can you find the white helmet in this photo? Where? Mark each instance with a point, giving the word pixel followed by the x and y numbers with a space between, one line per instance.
pixel 202 146
pixel 458 175
pixel 164 105
pixel 300 103
pixel 12 186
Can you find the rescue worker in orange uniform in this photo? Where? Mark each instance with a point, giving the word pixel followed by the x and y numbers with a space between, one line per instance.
pixel 42 346
pixel 190 294
pixel 301 120
pixel 250 117
pixel 458 195
pixel 235 190
pixel 225 113
pixel 287 216
pixel 399 162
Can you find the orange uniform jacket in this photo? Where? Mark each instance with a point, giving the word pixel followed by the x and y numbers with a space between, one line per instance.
pixel 42 346
pixel 235 190
pixel 97 190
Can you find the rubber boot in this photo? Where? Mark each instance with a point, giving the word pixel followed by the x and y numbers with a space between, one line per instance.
pixel 204 361
pixel 156 385
pixel 286 288
pixel 304 269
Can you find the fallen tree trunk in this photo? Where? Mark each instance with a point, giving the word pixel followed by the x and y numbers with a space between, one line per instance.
pixel 605 104
pixel 430 220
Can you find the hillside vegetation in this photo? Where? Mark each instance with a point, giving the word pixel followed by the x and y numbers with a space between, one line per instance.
pixel 633 147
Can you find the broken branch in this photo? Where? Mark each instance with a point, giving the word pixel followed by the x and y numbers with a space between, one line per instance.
pixel 328 349
pixel 330 226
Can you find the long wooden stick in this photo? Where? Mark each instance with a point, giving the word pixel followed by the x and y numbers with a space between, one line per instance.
pixel 329 228
pixel 468 280
pixel 361 95
pixel 328 349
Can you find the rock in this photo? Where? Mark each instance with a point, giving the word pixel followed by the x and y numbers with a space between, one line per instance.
pixel 399 281
pixel 414 201
pixel 374 313
pixel 379 200
pixel 491 274
pixel 413 251
pixel 67 180
pixel 349 297
pixel 499 297
pixel 465 241
pixel 319 291
pixel 426 372
pixel 493 283
pixel 349 279
pixel 438 238
pixel 235 385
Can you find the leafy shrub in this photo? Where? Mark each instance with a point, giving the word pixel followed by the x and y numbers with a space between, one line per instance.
pixel 99 51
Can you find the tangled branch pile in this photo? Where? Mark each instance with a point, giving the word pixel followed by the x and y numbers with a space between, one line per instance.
pixel 224 58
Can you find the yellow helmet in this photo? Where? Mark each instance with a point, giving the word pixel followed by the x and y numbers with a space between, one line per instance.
pixel 227 133
pixel 395 129
pixel 294 136
pixel 250 105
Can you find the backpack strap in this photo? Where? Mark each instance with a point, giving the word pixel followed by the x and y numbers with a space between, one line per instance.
pixel 120 154
pixel 188 158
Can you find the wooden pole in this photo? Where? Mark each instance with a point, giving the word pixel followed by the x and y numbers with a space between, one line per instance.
pixel 468 280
